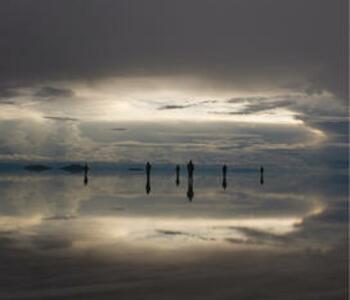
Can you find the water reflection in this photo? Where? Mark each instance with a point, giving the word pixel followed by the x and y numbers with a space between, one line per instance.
pixel 54 212
pixel 87 240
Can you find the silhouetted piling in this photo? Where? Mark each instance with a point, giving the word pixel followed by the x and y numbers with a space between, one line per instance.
pixel 261 175
pixel 190 169
pixel 177 169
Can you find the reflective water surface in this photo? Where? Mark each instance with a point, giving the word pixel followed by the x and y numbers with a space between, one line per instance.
pixel 213 236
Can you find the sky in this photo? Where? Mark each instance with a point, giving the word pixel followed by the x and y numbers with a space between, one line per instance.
pixel 216 81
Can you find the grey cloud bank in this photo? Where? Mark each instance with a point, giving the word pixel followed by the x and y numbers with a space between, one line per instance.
pixel 299 44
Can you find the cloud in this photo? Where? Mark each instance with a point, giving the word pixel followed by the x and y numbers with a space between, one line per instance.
pixel 256 107
pixel 53 92
pixel 118 208
pixel 248 99
pixel 183 106
pixel 42 140
pixel 285 44
pixel 62 137
pixel 7 93
pixel 208 102
pixel 63 119
pixel 171 232
pixel 8 102
pixel 60 218
pixel 253 236
pixel 51 243
pixel 165 107
pixel 119 129
pixel 185 234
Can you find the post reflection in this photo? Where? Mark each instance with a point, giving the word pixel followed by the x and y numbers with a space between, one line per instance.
pixel 261 175
pixel 224 180
pixel 190 192
pixel 190 170
pixel 86 178
pixel 148 177
pixel 177 170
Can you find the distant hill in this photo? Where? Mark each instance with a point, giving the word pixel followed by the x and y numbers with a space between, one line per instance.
pixel 37 168
pixel 74 168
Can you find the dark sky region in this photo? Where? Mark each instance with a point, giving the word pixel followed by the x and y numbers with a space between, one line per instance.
pixel 253 42
pixel 82 68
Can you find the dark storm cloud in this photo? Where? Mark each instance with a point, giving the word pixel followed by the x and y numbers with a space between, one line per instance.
pixel 244 42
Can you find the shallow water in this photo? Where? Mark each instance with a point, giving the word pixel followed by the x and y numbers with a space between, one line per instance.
pixel 285 238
